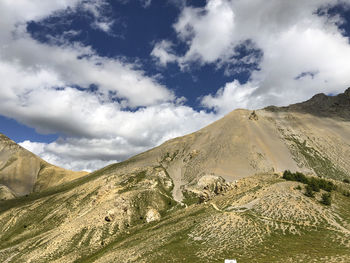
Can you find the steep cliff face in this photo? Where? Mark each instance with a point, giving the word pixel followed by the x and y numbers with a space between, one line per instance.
pixel 23 172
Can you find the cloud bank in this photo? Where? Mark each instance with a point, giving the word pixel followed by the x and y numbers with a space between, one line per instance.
pixel 303 50
pixel 50 88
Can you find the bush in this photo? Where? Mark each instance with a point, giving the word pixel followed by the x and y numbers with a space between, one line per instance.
pixel 287 175
pixel 299 177
pixel 347 181
pixel 298 187
pixel 315 183
pixel 346 193
pixel 309 192
pixel 326 199
pixel 326 185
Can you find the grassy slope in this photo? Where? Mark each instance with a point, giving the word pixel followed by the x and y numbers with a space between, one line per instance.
pixel 170 240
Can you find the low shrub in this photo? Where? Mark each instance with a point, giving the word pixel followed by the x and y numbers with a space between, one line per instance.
pixel 326 185
pixel 326 199
pixel 299 177
pixel 309 192
pixel 346 193
pixel 298 187
pixel 315 183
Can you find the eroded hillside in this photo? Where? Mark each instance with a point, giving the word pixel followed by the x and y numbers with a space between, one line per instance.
pixel 114 217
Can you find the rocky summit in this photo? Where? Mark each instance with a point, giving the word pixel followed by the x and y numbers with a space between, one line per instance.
pixel 270 185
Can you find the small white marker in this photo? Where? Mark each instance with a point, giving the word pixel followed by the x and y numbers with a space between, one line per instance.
pixel 230 261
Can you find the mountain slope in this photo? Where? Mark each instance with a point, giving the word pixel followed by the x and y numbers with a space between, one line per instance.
pixel 210 195
pixel 22 172
pixel 244 143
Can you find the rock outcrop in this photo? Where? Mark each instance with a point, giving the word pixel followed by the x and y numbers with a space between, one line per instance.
pixel 207 187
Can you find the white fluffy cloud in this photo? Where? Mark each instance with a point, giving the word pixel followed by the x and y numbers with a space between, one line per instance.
pixel 146 3
pixel 110 135
pixel 233 92
pixel 39 89
pixel 303 52
pixel 163 53
pixel 208 31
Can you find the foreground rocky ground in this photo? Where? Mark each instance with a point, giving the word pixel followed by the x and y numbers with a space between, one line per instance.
pixel 262 218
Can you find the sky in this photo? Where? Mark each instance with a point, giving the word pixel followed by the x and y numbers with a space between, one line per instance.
pixel 86 83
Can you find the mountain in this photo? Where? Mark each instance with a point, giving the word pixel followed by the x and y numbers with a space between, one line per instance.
pixel 211 195
pixel 22 172
pixel 323 106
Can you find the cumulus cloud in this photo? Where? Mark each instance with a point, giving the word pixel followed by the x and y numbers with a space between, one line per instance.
pixel 98 9
pixel 208 31
pixel 162 52
pixel 294 37
pixel 146 3
pixel 48 87
pixel 233 94
pixel 114 135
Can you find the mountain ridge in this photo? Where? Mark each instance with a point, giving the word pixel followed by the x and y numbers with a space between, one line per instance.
pixel 322 105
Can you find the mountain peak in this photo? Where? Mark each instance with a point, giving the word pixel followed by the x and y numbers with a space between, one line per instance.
pixel 322 105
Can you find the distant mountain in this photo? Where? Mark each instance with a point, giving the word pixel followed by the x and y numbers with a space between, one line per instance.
pixel 22 172
pixel 322 105
pixel 211 195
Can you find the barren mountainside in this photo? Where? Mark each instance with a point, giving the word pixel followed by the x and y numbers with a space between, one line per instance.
pixel 22 172
pixel 214 194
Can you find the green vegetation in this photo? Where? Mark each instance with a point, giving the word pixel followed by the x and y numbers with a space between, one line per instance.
pixel 347 181
pixel 314 183
pixel 326 199
pixel 131 182
pixel 318 162
pixel 190 198
pixel 298 177
pixel 298 187
pixel 309 191
pixel 288 247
